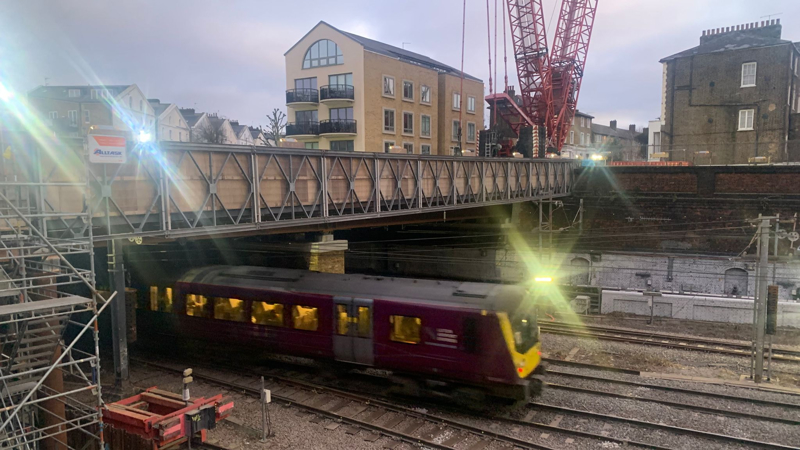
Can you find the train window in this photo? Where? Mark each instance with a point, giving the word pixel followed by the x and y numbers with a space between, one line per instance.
pixel 305 318
pixel 267 314
pixel 196 305
pixel 342 320
pixel 526 332
pixel 165 303
pixel 229 309
pixel 405 329
pixel 160 300
pixel 153 298
pixel 364 321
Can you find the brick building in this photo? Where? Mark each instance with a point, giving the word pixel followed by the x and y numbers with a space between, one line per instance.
pixel 732 98
pixel 579 141
pixel 619 144
pixel 349 93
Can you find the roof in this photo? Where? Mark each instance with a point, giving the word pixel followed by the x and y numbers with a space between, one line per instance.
pixel 255 132
pixel 215 121
pixel 62 92
pixel 446 293
pixel 190 116
pixel 159 108
pixel 583 114
pixel 399 53
pixel 734 40
pixel 238 129
pixel 621 133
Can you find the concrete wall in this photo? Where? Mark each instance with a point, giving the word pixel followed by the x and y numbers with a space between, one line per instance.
pixel 695 307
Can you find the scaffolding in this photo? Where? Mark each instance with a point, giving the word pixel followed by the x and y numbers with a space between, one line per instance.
pixel 50 394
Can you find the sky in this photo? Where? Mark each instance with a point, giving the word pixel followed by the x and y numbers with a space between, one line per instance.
pixel 227 56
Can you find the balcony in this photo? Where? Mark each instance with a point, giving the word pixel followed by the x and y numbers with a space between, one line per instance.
pixel 300 99
pixel 339 127
pixel 335 95
pixel 302 130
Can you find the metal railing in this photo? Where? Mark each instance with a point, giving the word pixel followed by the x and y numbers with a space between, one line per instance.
pixel 186 189
pixel 346 126
pixel 337 92
pixel 302 95
pixel 302 128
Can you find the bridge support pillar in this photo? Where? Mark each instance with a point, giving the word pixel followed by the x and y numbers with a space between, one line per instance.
pixel 326 254
pixel 116 275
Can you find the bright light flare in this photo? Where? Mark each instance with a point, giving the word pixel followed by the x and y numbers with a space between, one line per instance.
pixel 144 137
pixel 5 94
pixel 543 279
pixel 596 157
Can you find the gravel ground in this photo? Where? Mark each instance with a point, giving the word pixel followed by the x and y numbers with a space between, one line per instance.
pixel 665 360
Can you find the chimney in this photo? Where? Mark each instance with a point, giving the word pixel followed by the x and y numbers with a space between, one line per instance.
pixel 770 29
pixel 632 128
pixel 613 124
pixel 187 110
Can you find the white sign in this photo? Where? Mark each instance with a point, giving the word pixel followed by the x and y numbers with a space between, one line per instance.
pixel 106 149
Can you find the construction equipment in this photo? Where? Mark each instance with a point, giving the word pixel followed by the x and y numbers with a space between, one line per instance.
pixel 549 81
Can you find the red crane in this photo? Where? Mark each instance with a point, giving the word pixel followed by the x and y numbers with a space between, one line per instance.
pixel 549 81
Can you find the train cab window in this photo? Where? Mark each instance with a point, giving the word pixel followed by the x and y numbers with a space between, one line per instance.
pixel 526 332
pixel 470 333
pixel 405 329
pixel 229 309
pixel 267 314
pixel 160 299
pixel 342 320
pixel 305 318
pixel 196 305
pixel 364 321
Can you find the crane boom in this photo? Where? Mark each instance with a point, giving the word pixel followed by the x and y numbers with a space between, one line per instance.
pixel 529 40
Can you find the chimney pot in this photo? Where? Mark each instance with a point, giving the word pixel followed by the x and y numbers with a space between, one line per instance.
pixel 762 23
pixel 704 33
pixel 777 21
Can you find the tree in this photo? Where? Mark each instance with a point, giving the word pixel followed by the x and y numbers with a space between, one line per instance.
pixel 211 135
pixel 276 123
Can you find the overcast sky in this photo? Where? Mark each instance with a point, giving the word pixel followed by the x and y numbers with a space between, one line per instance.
pixel 227 56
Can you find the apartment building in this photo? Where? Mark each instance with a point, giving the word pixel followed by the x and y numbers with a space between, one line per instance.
pixel 349 93
pixel 71 110
pixel 732 99
pixel 170 124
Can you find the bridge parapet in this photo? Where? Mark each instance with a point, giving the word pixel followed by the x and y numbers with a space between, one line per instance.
pixel 177 190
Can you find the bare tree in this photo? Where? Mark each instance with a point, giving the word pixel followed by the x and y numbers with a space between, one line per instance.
pixel 211 135
pixel 276 123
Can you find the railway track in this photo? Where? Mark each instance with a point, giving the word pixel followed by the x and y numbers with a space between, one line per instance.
pixel 662 340
pixel 310 396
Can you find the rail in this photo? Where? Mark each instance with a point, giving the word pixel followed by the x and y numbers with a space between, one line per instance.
pixel 175 190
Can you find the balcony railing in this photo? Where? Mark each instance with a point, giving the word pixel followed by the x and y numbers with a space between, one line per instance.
pixel 302 128
pixel 337 92
pixel 337 126
pixel 304 95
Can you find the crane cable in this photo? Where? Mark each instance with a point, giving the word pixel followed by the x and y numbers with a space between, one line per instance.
pixel 489 46
pixel 461 92
pixel 495 52
pixel 505 56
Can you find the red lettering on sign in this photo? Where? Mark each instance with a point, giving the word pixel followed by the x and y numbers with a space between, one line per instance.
pixel 109 141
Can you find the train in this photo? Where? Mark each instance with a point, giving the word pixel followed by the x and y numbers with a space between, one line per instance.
pixel 461 340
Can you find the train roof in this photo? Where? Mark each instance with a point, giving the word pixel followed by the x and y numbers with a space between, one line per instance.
pixel 488 296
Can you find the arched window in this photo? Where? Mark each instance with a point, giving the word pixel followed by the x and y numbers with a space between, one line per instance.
pixel 323 53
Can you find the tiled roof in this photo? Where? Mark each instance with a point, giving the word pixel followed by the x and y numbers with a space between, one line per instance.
pixel 621 133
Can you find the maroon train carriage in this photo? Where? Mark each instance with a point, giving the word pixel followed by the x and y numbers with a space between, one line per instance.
pixel 465 340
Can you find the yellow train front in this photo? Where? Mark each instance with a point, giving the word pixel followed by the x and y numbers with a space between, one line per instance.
pixel 461 340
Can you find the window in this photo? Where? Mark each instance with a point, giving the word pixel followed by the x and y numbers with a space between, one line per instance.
pixel 425 94
pixel 455 130
pixel 342 320
pixel 343 79
pixel 571 137
pixel 525 331
pixel 196 305
pixel 180 136
pixel 170 135
pixel 74 93
pixel 388 86
pixel 408 90
pixel 141 105
pixel 341 113
pixel 588 122
pixel 746 119
pixel 160 299
pixel 264 313
pixel 471 104
pixel 53 115
pixel 312 145
pixel 409 147
pixel 470 132
pixel 305 83
pixel 99 93
pixel 229 309
pixel 305 318
pixel 425 126
pixel 456 100
pixel 583 138
pixel 364 321
pixel 342 146
pixel 323 53
pixel 387 146
pixel 748 74
pixel 583 123
pixel 306 116
pixel 405 329
pixel 86 117
pixel 425 149
pixel 73 117
pixel 388 120
pixel 408 123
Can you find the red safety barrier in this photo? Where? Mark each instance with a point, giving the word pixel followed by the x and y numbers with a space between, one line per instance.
pixel 651 163
pixel 162 418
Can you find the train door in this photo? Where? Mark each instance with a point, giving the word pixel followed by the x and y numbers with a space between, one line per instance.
pixel 352 330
